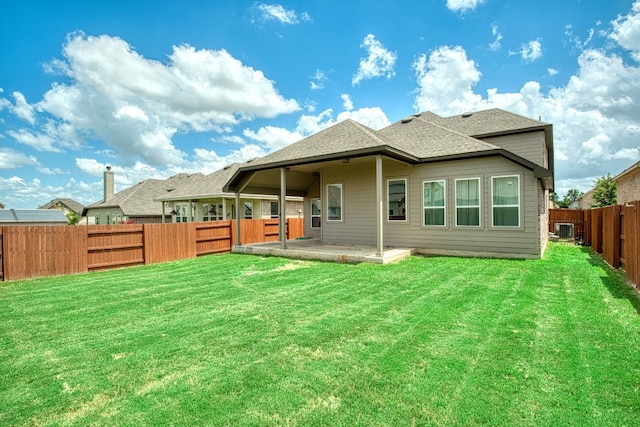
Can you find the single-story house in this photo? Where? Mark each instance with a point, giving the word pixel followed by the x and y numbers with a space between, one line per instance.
pixel 32 217
pixel 135 204
pixel 203 199
pixel 475 184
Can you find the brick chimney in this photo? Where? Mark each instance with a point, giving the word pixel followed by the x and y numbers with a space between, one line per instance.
pixel 109 189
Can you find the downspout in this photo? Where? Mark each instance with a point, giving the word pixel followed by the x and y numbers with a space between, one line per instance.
pixel 283 208
pixel 380 207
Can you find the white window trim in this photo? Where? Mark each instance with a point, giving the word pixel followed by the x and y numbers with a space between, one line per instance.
pixel 519 205
pixel 406 201
pixel 444 182
pixel 341 202
pixel 479 206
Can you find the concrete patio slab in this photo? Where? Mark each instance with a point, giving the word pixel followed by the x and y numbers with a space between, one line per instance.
pixel 315 249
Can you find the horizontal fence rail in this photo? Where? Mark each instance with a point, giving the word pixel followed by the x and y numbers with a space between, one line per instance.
pixel 37 251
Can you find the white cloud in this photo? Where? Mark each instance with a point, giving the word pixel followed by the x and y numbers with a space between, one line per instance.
pixel 277 12
pixel 21 193
pixel 626 31
pixel 372 117
pixel 272 137
pixel 22 108
pixel 36 141
pixel 10 159
pixel 446 77
pixel 495 45
pixel 196 90
pixel 463 5
pixel 552 71
pixel 594 115
pixel 347 103
pixel 531 51
pixel 379 62
pixel 317 80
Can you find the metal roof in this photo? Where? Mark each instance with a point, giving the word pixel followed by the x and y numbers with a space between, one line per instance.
pixel 31 216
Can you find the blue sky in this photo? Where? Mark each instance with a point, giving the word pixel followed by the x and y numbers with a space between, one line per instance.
pixel 157 88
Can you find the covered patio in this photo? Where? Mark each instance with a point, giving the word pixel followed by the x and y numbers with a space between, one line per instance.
pixel 315 249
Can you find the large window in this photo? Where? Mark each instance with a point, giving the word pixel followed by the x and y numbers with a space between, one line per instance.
pixel 505 196
pixel 397 199
pixel 334 202
pixel 316 212
pixel 434 203
pixel 468 202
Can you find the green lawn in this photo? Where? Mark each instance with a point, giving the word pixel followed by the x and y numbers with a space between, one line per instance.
pixel 245 340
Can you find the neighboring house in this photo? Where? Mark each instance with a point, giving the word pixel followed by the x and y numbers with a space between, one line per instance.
pixel 628 189
pixel 32 217
pixel 476 184
pixel 629 184
pixel 65 205
pixel 135 204
pixel 586 200
pixel 203 199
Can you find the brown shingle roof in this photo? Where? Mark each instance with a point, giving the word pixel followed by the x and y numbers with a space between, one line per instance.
pixel 345 137
pixel 419 138
pixel 69 203
pixel 140 199
pixel 203 186
pixel 488 122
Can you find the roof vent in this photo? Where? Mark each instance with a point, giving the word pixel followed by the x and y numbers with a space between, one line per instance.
pixel 407 119
pixel 417 114
pixel 465 115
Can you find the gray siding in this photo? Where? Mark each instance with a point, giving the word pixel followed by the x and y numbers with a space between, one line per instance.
pixel 359 221
pixel 530 146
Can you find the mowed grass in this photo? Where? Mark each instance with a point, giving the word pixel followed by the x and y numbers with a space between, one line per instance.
pixel 244 340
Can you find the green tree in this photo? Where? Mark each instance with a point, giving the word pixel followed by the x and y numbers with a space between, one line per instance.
pixel 72 218
pixel 571 196
pixel 605 191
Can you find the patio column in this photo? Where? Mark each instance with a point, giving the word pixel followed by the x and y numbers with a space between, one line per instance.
pixel 380 207
pixel 283 208
pixel 162 217
pixel 238 240
pixel 224 209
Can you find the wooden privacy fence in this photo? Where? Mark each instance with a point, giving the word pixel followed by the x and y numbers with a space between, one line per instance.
pixel 611 231
pixel 37 251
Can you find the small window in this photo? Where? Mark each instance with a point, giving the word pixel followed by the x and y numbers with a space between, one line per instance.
pixel 397 199
pixel 506 201
pixel 334 202
pixel 316 212
pixel 274 210
pixel 434 203
pixel 248 210
pixel 468 202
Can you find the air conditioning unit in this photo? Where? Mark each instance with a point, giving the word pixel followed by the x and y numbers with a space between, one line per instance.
pixel 565 231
